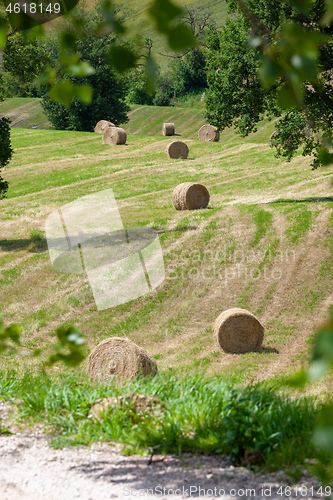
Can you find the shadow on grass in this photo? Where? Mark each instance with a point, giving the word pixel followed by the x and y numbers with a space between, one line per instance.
pixel 176 230
pixel 304 200
pixel 268 350
pixel 33 245
pixel 261 350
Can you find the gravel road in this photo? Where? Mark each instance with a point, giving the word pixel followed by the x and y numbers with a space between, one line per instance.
pixel 31 470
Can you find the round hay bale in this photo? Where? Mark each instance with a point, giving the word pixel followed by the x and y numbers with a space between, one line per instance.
pixel 102 125
pixel 114 135
pixel 190 196
pixel 238 331
pixel 177 149
pixel 168 129
pixel 119 358
pixel 209 133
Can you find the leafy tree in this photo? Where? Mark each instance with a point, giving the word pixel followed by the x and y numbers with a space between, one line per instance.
pixel 164 90
pixel 235 95
pixel 138 87
pixel 188 74
pixel 108 102
pixel 109 90
pixel 188 70
pixel 290 45
pixel 6 152
pixel 25 60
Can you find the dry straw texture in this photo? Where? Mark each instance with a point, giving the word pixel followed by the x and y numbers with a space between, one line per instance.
pixel 102 125
pixel 209 133
pixel 238 331
pixel 119 358
pixel 168 129
pixel 114 135
pixel 189 196
pixel 177 149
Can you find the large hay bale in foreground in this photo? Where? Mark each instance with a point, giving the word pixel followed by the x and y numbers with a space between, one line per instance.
pixel 168 129
pixel 209 133
pixel 177 149
pixel 102 125
pixel 190 196
pixel 119 358
pixel 114 135
pixel 238 331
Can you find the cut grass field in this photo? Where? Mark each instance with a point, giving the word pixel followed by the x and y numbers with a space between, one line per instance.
pixel 27 112
pixel 264 244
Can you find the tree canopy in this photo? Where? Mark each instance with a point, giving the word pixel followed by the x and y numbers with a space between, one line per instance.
pixel 275 58
pixel 108 89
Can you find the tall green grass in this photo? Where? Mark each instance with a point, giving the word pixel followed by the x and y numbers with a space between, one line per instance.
pixel 199 414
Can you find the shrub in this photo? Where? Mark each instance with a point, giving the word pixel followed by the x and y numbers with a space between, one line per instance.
pixel 6 152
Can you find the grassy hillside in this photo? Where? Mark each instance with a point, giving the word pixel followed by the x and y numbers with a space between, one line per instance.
pixel 265 243
pixel 27 113
pixel 139 22
pixel 24 112
pixel 148 120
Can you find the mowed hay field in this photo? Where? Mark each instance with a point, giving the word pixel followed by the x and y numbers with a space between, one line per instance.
pixel 265 243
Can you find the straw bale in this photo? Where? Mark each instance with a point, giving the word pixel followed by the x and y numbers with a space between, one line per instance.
pixel 209 133
pixel 114 135
pixel 121 359
pixel 168 129
pixel 190 196
pixel 177 149
pixel 102 125
pixel 238 331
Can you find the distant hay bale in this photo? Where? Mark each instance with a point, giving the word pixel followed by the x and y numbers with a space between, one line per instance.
pixel 190 196
pixel 238 331
pixel 177 149
pixel 209 133
pixel 168 129
pixel 102 125
pixel 114 135
pixel 121 359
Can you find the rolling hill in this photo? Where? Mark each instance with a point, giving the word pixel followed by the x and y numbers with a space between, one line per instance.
pixel 264 244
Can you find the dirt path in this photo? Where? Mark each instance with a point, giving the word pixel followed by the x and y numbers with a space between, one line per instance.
pixel 30 470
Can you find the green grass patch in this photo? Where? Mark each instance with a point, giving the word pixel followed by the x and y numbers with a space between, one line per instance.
pixel 263 221
pixel 198 415
pixel 300 224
